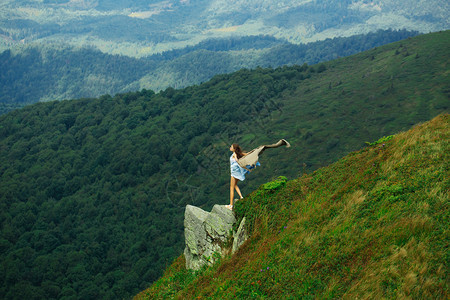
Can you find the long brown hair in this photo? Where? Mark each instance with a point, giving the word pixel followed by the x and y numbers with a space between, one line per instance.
pixel 237 150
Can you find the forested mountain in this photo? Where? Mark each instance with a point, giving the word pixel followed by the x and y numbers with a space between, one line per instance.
pixel 370 226
pixel 141 28
pixel 58 46
pixel 92 191
pixel 49 73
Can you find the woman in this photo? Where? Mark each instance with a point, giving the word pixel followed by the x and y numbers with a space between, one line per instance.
pixel 241 163
pixel 237 172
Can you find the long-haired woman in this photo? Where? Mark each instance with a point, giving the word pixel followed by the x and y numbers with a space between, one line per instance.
pixel 237 172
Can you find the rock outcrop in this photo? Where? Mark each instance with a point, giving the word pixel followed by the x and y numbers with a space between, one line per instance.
pixel 207 233
pixel 240 236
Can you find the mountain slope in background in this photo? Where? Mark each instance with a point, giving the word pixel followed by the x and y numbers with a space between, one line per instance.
pixel 45 73
pixel 140 28
pixel 93 191
pixel 372 225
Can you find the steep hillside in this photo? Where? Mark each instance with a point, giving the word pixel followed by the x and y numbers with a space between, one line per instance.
pixel 372 225
pixel 92 191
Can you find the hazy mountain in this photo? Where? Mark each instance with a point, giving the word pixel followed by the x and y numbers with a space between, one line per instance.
pixel 139 28
pixel 45 73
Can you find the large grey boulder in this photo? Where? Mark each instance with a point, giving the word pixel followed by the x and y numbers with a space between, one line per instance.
pixel 195 237
pixel 206 234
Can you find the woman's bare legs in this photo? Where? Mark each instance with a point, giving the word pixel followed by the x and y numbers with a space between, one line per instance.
pixel 238 190
pixel 233 186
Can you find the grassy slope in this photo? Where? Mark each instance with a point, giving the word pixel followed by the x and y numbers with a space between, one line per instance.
pixel 373 224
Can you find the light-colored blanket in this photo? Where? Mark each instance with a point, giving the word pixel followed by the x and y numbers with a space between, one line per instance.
pixel 253 156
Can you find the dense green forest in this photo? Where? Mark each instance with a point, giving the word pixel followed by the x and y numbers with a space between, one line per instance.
pixel 49 74
pixel 55 73
pixel 92 191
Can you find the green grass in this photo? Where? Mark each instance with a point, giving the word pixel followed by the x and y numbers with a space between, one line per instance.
pixel 371 225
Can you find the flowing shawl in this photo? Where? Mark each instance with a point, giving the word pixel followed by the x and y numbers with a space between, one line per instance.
pixel 252 157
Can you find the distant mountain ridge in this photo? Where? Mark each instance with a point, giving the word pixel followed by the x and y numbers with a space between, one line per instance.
pixel 45 73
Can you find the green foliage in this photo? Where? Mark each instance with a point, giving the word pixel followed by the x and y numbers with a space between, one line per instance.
pixel 93 191
pixel 276 184
pixel 380 141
